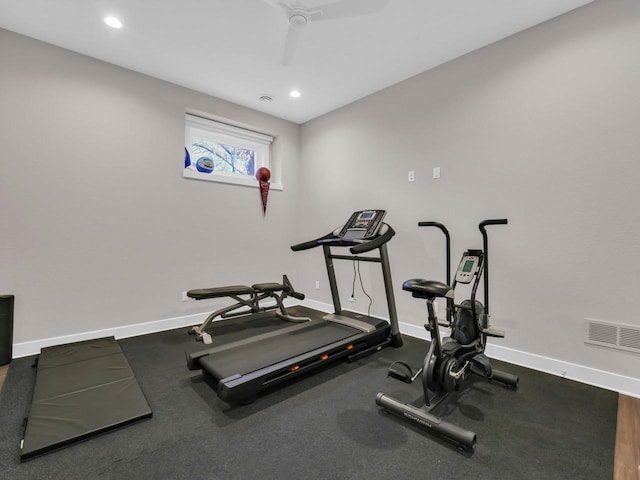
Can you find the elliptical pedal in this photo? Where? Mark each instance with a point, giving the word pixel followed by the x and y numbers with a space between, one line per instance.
pixel 481 366
pixel 404 374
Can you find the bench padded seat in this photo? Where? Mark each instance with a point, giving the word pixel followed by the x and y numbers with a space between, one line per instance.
pixel 268 287
pixel 216 292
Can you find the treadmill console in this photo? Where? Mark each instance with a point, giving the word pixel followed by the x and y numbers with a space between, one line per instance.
pixel 467 268
pixel 362 225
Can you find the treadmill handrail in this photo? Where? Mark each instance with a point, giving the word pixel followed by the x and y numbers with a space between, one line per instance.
pixel 311 243
pixel 375 243
pixel 357 246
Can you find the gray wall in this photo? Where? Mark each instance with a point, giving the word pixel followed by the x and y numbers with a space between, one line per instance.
pixel 100 230
pixel 541 128
pixel 98 227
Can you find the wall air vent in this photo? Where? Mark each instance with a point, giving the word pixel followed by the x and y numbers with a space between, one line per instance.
pixel 613 335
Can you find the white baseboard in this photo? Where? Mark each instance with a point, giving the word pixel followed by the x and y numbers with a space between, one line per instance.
pixel 598 378
pixel 590 376
pixel 25 349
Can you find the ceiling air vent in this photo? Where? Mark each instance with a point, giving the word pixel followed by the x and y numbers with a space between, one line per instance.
pixel 613 335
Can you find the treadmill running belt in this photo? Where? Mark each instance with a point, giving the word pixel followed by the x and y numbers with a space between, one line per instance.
pixel 82 389
pixel 275 349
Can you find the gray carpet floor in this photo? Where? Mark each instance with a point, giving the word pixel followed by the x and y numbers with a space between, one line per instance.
pixel 323 426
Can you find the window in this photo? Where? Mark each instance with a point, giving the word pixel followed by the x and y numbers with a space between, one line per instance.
pixel 218 152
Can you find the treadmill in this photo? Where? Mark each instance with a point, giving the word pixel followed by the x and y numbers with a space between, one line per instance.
pixel 243 368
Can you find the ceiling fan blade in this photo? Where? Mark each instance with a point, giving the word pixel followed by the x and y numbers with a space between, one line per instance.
pixel 349 8
pixel 277 3
pixel 290 45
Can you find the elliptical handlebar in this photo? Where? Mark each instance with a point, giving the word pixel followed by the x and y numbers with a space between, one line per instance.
pixel 448 244
pixel 498 221
pixel 485 247
pixel 433 224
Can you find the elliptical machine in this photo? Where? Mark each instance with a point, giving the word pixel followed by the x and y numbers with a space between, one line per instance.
pixel 450 360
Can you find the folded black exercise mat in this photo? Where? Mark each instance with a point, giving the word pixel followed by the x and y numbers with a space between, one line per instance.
pixel 81 389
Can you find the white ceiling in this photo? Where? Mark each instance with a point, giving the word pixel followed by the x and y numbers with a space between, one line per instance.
pixel 233 49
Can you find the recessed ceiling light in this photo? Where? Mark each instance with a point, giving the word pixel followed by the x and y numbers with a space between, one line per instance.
pixel 113 22
pixel 295 93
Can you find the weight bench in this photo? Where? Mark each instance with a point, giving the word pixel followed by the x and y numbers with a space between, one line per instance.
pixel 253 295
